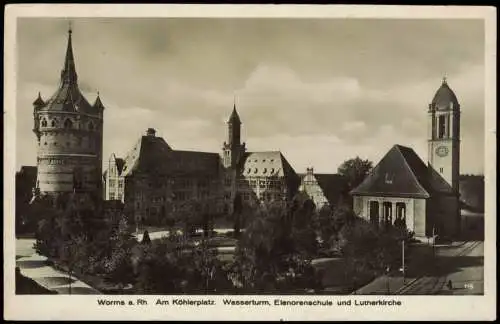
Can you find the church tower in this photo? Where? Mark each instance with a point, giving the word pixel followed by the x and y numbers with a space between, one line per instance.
pixel 444 134
pixel 69 133
pixel 233 149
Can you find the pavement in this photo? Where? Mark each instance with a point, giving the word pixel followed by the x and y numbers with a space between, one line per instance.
pixel 460 262
pixel 34 266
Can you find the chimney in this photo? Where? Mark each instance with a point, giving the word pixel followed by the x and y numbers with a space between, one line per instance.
pixel 151 132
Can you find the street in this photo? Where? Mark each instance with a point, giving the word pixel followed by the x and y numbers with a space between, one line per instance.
pixel 462 263
pixel 34 266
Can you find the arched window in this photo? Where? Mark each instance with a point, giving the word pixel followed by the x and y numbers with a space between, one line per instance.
pixel 91 126
pixel 44 122
pixel 68 123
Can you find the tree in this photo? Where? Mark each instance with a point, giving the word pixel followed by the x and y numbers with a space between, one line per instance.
pixel 170 265
pixel 145 238
pixel 118 264
pixel 355 170
pixel 274 252
pixel 369 250
pixel 237 211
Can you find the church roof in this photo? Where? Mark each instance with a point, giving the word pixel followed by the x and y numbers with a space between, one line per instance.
pixel 68 96
pixel 445 98
pixel 401 173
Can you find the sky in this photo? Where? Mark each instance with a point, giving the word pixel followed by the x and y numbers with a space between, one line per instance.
pixel 319 90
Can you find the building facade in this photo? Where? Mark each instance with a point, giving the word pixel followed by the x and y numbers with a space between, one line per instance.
pixel 69 133
pixel 403 188
pixel 155 181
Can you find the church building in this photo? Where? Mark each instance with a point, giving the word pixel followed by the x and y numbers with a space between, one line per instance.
pixel 401 187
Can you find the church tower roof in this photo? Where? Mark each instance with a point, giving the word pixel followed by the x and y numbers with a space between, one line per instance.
pixel 68 96
pixel 445 98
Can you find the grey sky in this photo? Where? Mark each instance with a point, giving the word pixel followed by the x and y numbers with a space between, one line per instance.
pixel 320 90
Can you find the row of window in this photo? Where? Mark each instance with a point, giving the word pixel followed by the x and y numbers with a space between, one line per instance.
pixel 68 124
pixel 264 171
pixel 263 160
pixel 113 182
pixel 113 196
pixel 68 144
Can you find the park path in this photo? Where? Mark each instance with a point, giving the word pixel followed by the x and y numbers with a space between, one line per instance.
pixel 34 266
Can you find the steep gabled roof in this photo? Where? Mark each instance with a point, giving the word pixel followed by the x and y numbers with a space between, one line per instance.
pixel 193 163
pixel 269 164
pixel 148 155
pixel 400 173
pixel 152 155
pixel 334 186
pixel 265 164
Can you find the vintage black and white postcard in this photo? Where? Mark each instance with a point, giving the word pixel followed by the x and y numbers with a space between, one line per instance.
pixel 249 162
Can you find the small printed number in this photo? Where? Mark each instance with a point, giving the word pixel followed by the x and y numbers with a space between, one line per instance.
pixel 469 286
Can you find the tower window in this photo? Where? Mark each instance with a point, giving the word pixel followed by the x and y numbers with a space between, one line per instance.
pixel 53 123
pixel 442 127
pixel 44 123
pixel 91 126
pixel 440 170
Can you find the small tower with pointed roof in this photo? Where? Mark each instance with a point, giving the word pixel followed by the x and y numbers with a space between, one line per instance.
pixel 233 149
pixel 69 132
pixel 444 134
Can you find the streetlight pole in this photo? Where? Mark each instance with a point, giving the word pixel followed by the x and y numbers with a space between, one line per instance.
pixel 387 281
pixel 403 259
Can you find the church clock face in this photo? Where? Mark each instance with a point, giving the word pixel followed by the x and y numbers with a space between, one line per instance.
pixel 442 151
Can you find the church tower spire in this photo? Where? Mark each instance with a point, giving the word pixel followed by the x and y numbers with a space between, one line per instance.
pixel 68 74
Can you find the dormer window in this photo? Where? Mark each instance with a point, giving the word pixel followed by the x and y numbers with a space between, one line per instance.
pixel 388 178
